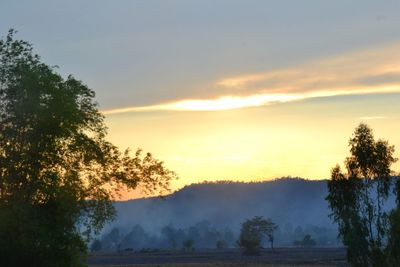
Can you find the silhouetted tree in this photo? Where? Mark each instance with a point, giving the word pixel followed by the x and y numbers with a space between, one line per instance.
pixel 393 249
pixel 307 241
pixel 220 244
pixel 357 199
pixel 169 234
pixel 193 233
pixel 137 238
pixel 111 239
pixel 58 173
pixel 187 245
pixel 270 233
pixel 252 232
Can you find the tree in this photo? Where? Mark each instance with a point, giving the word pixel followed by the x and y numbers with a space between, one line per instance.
pixel 220 244
pixel 270 233
pixel 357 200
pixel 307 241
pixel 136 239
pixel 169 234
pixel 187 245
pixel 252 232
pixel 111 240
pixel 58 173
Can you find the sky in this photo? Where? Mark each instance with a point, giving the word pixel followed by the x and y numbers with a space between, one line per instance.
pixel 226 89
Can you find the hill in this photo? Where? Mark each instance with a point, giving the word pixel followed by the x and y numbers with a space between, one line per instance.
pixel 297 205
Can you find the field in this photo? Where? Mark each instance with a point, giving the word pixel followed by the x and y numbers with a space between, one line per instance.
pixel 283 257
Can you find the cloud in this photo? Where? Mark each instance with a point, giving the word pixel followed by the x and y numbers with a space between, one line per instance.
pixel 364 72
pixel 223 103
pixel 231 102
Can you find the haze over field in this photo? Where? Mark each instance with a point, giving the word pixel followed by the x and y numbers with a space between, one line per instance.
pixel 297 206
pixel 228 89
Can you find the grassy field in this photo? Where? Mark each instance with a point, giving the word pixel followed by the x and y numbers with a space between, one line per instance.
pixel 283 257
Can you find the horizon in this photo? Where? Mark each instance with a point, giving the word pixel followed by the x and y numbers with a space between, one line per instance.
pixel 228 90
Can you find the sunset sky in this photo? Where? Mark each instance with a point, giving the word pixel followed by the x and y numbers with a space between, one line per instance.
pixel 225 89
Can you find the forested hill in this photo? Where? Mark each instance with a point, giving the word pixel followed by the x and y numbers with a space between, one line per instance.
pixel 290 202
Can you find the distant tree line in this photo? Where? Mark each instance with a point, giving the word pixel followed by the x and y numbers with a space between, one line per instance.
pixel 203 235
pixel 224 182
pixel 200 235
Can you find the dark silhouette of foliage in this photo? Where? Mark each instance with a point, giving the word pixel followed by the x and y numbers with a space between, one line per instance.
pixel 111 240
pixel 58 174
pixel 357 200
pixel 272 227
pixel 220 244
pixel 306 242
pixel 136 239
pixel 252 232
pixel 202 235
pixel 393 248
pixel 170 235
pixel 188 245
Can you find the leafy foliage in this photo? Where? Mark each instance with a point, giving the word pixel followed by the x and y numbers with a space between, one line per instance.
pixel 252 232
pixel 357 200
pixel 58 174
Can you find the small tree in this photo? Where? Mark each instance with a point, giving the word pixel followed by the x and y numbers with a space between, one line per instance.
pixel 307 242
pixel 220 244
pixel 252 232
pixel 187 245
pixel 272 227
pixel 169 233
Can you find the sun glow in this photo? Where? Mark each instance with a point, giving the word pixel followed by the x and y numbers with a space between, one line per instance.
pixel 231 102
pixel 223 103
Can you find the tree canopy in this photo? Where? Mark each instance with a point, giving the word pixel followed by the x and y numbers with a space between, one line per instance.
pixel 359 201
pixel 58 173
pixel 252 232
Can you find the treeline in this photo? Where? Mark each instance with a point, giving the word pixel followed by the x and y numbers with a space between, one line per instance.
pixel 290 235
pixel 203 235
pixel 200 235
pixel 236 181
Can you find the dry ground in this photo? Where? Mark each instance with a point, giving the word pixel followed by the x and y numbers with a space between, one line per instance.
pixel 282 257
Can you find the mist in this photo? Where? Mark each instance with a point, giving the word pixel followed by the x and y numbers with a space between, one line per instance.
pixel 210 212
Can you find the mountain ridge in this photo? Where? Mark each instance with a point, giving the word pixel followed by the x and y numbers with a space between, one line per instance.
pixel 284 200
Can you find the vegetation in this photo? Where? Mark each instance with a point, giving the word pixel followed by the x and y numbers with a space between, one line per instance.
pixel 187 245
pixel 220 244
pixel 359 201
pixel 252 232
pixel 58 174
pixel 306 242
pixel 200 235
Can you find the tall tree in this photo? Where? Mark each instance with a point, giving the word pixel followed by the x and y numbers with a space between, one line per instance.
pixel 58 174
pixel 357 198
